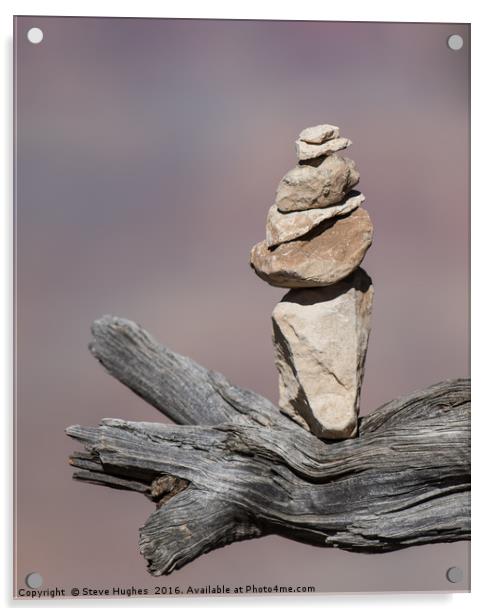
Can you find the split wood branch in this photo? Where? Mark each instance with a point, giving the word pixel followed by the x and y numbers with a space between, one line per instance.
pixel 237 468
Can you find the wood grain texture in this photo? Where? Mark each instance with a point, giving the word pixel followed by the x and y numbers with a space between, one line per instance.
pixel 177 386
pixel 239 469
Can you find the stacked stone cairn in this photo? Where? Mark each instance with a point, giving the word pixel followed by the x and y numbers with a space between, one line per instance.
pixel 317 234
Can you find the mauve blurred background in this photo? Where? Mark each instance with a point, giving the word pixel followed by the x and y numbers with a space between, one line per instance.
pixel 148 153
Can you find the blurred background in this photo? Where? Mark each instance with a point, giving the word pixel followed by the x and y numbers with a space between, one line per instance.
pixel 148 152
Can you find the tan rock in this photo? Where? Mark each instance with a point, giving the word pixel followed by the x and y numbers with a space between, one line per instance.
pixel 320 338
pixel 284 227
pixel 327 254
pixel 306 151
pixel 319 134
pixel 305 187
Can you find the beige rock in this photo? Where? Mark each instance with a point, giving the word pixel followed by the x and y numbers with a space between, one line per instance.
pixel 327 254
pixel 284 227
pixel 320 338
pixel 305 187
pixel 319 134
pixel 306 151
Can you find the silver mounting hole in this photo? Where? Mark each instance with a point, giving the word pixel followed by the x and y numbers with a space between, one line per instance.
pixel 34 580
pixel 35 35
pixel 455 42
pixel 455 575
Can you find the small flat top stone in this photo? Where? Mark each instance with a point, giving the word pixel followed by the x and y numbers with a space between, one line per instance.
pixel 308 151
pixel 322 257
pixel 319 133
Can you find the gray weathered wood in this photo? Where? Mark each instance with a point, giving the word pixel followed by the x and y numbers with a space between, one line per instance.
pixel 249 471
pixel 175 385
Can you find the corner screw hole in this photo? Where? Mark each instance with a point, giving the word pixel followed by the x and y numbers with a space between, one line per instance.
pixel 35 35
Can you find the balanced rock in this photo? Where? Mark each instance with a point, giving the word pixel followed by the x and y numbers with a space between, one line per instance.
pixel 319 134
pixel 306 151
pixel 327 254
pixel 305 187
pixel 320 338
pixel 284 227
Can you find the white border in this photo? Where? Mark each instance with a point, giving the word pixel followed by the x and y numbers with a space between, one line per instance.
pixel 358 10
pixel 354 10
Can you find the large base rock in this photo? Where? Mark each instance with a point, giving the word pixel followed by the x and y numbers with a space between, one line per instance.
pixel 320 338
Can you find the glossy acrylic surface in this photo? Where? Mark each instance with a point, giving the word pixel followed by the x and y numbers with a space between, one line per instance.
pixel 147 155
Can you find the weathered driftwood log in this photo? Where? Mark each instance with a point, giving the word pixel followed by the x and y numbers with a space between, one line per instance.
pixel 241 469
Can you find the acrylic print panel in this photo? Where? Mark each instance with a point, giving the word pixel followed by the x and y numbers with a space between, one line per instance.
pixel 148 153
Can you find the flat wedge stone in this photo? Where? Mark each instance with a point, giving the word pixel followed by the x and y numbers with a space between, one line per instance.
pixel 284 227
